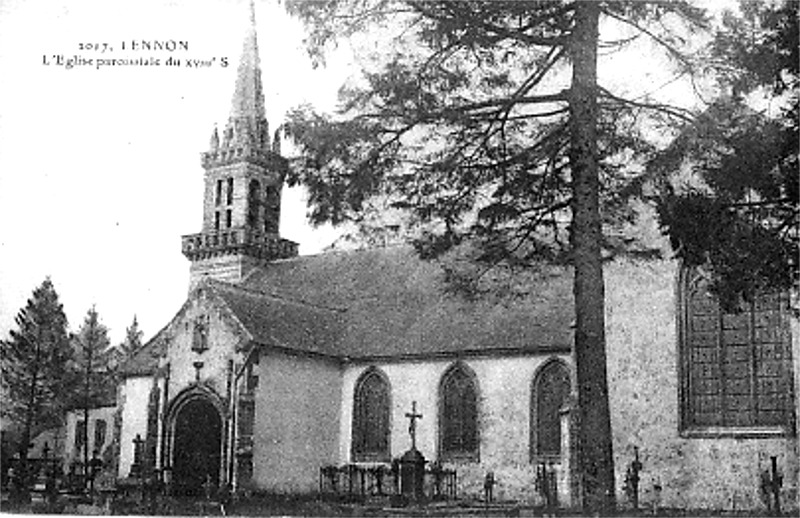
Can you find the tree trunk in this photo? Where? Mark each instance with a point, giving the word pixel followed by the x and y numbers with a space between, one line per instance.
pixel 595 460
pixel 30 418
pixel 86 403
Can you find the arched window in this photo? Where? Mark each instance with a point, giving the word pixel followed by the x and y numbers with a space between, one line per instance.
pixel 99 435
pixel 80 435
pixel 272 209
pixel 458 415
pixel 371 418
pixel 230 191
pixel 253 203
pixel 549 393
pixel 736 366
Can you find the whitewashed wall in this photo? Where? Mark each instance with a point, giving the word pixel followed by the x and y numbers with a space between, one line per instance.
pixel 296 422
pixel 135 397
pixel 694 472
pixel 504 386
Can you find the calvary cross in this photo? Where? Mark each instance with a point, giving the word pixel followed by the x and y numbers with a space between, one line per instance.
pixel 412 425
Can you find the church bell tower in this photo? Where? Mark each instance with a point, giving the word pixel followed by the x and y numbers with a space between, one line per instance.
pixel 244 174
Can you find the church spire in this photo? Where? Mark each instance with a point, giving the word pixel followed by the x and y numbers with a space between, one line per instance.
pixel 243 181
pixel 247 123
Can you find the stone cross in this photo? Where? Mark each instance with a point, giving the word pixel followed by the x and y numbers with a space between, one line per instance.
pixel 412 425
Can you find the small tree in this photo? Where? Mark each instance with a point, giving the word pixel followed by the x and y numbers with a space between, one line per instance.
pixel 133 338
pixel 91 372
pixel 34 366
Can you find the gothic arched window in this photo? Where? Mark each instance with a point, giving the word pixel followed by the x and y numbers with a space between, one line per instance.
pixel 253 203
pixel 736 366
pixel 458 415
pixel 371 418
pixel 549 393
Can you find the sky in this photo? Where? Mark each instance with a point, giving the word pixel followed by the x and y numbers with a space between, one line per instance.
pixel 100 169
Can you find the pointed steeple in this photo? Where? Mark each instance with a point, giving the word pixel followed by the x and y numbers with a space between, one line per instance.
pixel 244 174
pixel 248 117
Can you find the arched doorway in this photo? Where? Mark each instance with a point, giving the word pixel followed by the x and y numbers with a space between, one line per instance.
pixel 197 446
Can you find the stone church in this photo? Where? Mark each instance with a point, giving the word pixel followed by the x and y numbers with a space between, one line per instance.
pixel 278 365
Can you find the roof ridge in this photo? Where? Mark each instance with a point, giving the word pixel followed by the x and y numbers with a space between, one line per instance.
pixel 339 252
pixel 274 295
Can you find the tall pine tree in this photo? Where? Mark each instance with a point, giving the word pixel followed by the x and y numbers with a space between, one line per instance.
pixel 34 364
pixel 487 122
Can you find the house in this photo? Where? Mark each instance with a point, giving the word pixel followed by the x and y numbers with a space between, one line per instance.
pixel 278 365
pixel 92 442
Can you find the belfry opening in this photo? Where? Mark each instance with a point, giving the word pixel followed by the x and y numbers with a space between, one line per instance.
pixel 197 447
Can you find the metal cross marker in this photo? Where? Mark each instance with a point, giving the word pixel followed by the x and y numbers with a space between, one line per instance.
pixel 412 425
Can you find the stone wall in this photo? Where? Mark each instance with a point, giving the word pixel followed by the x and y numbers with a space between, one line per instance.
pixel 221 340
pixel 230 268
pixel 695 473
pixel 238 172
pixel 296 422
pixel 504 386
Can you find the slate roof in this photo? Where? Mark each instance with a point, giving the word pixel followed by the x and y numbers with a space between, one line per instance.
pixel 385 304
pixel 282 323
pixel 391 304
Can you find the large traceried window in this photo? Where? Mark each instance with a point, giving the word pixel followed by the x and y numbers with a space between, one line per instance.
pixel 458 415
pixel 736 365
pixel 549 393
pixel 371 418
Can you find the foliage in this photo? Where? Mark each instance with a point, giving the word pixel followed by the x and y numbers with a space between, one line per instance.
pixel 133 338
pixel 465 124
pixel 760 48
pixel 738 213
pixel 34 361
pixel 486 123
pixel 92 379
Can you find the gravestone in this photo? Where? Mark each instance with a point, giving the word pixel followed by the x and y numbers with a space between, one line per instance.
pixel 771 483
pixel 136 465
